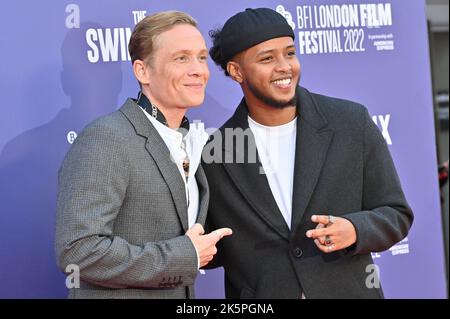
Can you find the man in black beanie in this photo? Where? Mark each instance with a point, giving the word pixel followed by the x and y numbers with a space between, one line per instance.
pixel 322 192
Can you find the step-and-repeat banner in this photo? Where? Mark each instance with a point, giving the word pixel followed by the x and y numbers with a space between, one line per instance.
pixel 64 63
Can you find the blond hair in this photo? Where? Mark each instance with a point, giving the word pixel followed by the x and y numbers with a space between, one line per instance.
pixel 142 41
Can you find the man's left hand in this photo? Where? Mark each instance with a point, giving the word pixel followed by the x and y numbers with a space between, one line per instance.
pixel 332 233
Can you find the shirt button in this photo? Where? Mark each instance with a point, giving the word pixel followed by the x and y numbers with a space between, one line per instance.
pixel 298 252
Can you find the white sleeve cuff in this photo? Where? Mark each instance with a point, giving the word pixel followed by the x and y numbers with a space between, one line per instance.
pixel 198 258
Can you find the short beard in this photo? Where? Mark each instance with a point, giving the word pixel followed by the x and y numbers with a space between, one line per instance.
pixel 270 101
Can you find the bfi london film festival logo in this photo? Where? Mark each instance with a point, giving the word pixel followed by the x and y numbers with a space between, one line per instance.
pixel 286 14
pixel 342 28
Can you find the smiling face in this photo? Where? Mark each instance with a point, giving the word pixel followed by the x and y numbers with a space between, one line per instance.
pixel 177 73
pixel 268 73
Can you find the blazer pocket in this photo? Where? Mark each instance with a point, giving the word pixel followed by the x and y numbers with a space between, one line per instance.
pixel 247 293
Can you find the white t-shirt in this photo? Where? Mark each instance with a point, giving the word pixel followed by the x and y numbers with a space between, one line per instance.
pixel 276 149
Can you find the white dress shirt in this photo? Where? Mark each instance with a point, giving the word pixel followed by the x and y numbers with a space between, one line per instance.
pixel 179 147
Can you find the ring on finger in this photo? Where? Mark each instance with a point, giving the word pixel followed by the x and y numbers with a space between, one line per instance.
pixel 328 240
pixel 330 220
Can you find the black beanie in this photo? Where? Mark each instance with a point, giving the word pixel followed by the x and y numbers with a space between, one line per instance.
pixel 251 27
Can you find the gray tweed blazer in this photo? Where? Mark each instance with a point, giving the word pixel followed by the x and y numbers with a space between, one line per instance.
pixel 122 212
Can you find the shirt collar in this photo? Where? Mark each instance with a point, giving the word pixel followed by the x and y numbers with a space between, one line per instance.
pixel 144 102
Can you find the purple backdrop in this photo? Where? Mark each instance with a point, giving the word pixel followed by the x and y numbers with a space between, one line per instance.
pixel 64 63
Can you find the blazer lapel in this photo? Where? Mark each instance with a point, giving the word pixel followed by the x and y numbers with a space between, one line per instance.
pixel 250 179
pixel 161 155
pixel 203 191
pixel 313 141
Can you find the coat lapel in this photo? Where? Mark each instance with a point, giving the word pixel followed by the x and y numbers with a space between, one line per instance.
pixel 313 141
pixel 161 155
pixel 203 191
pixel 249 177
